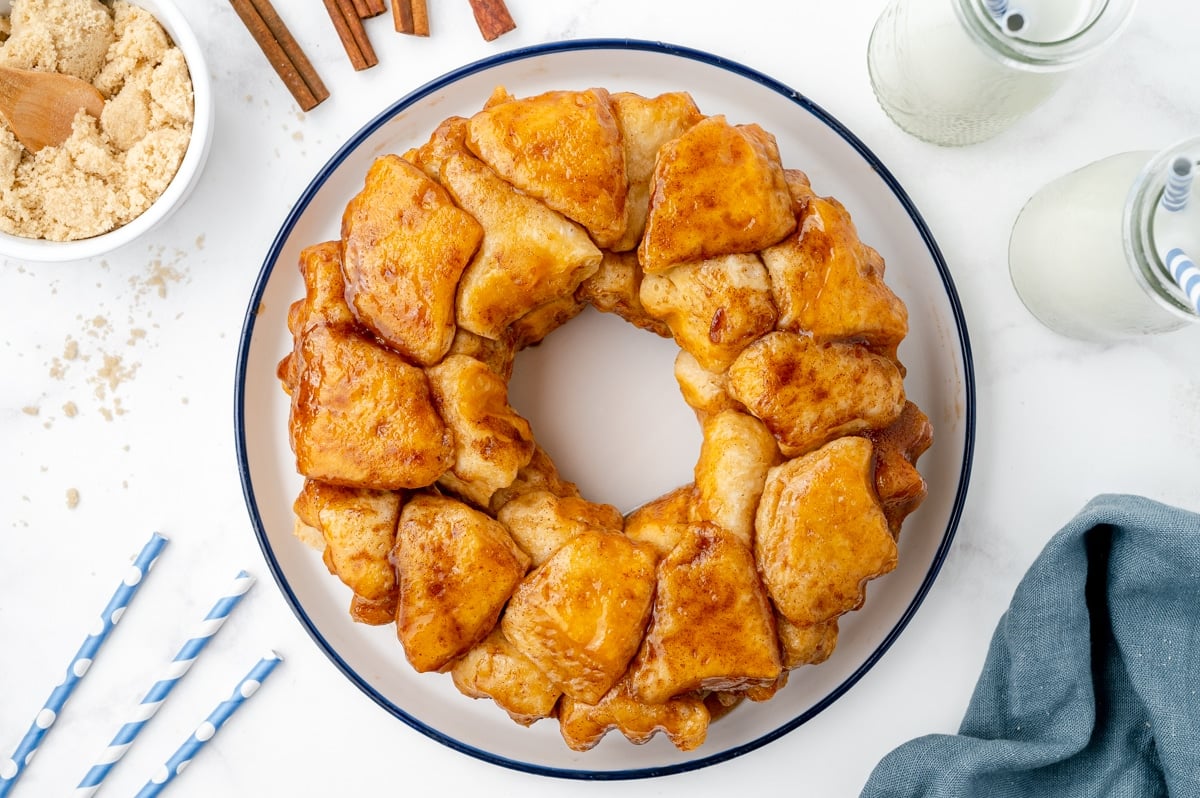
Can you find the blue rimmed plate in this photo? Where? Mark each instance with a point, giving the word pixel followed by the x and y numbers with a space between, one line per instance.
pixel 602 400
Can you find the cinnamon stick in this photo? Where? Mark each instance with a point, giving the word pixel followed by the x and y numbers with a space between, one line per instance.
pixel 492 17
pixel 283 53
pixel 374 8
pixel 351 33
pixel 420 15
pixel 360 9
pixel 411 16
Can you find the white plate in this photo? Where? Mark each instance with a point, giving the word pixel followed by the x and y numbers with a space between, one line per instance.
pixel 602 400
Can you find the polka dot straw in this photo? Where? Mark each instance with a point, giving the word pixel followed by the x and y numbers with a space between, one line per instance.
pixel 247 687
pixel 12 768
pixel 158 693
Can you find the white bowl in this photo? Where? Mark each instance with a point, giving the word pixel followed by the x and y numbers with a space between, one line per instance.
pixel 33 249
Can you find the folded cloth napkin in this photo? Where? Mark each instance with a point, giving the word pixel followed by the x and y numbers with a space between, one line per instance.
pixel 1091 685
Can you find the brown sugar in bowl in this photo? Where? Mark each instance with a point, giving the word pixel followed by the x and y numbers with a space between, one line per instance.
pixel 20 248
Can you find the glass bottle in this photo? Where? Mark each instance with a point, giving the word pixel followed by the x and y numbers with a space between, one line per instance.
pixel 951 72
pixel 1087 252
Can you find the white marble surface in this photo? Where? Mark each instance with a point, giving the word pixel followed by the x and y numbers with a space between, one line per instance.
pixel 118 381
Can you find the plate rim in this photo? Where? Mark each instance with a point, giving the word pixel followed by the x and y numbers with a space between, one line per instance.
pixel 519 54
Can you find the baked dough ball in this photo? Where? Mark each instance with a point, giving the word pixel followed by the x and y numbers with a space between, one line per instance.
pixel 456 568
pixel 324 302
pixel 718 189
pixel 539 473
pixel 563 148
pixel 363 417
pixel 706 392
pixel 496 354
pixel 735 455
pixel 535 325
pixel 529 255
pixel 495 669
pixel 684 720
pixel 580 616
pixel 491 442
pixel 615 288
pixel 540 522
pixel 663 522
pixel 714 307
pixel 809 393
pixel 900 487
pixel 646 123
pixel 810 644
pixel 358 527
pixel 826 282
pixel 821 534
pixel 406 245
pixel 324 290
pixel 713 628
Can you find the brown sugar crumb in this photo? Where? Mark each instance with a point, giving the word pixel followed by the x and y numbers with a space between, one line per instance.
pixel 112 374
pixel 72 498
pixel 110 170
pixel 70 410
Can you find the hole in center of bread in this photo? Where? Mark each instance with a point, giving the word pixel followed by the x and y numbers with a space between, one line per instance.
pixel 603 402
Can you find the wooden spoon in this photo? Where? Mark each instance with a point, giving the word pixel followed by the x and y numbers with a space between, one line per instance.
pixel 40 106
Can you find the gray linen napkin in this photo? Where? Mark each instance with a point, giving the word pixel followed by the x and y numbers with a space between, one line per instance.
pixel 1091 685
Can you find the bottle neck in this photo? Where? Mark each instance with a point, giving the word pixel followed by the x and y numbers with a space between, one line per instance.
pixel 1146 237
pixel 1058 34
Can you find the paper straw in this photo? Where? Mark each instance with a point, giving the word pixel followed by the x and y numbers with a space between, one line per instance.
pixel 211 725
pixel 1186 275
pixel 996 7
pixel 162 688
pixel 12 768
pixel 1179 184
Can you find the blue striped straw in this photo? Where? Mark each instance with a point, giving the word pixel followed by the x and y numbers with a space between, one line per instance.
pixel 211 725
pixel 12 768
pixel 1179 184
pixel 1186 275
pixel 162 688
pixel 996 8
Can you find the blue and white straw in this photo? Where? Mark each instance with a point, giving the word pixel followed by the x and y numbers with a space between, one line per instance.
pixel 12 768
pixel 1184 270
pixel 1179 184
pixel 996 8
pixel 247 687
pixel 158 693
